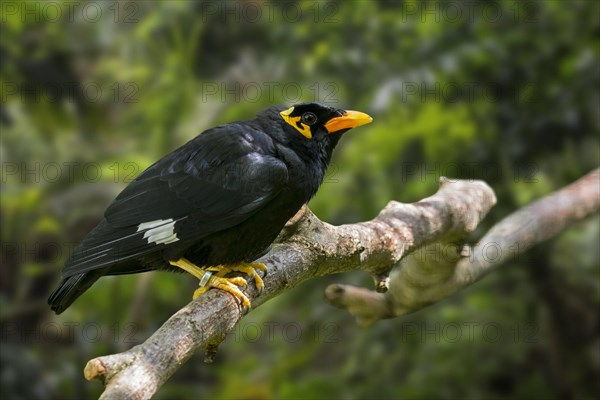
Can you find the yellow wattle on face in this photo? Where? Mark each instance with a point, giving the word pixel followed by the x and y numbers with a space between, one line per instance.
pixel 296 123
pixel 350 119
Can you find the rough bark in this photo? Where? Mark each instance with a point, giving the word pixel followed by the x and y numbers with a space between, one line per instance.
pixel 441 269
pixel 308 248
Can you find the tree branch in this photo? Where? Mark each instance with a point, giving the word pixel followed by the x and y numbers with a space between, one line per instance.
pixel 438 270
pixel 308 248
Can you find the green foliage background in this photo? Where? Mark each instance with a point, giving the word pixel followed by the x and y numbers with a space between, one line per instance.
pixel 112 94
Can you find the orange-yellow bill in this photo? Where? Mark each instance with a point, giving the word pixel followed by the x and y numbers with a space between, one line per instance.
pixel 351 119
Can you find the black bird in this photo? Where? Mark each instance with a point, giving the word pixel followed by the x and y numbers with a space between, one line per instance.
pixel 213 205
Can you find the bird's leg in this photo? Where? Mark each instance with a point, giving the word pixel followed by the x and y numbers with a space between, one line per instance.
pixel 214 276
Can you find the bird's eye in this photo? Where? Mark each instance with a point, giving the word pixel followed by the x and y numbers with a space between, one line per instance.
pixel 309 118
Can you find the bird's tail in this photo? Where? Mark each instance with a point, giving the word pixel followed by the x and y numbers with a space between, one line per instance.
pixel 70 289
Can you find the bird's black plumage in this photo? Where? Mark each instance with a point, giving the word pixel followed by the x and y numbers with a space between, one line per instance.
pixel 221 198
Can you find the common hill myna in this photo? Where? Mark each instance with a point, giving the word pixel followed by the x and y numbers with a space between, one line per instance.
pixel 215 204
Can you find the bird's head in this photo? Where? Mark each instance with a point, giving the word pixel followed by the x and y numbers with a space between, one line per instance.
pixel 317 121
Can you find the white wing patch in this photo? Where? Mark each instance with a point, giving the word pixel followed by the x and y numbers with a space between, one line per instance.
pixel 161 231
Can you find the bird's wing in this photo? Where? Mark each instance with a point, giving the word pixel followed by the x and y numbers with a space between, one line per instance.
pixel 220 178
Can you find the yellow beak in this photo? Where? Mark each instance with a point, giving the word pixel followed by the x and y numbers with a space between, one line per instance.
pixel 351 119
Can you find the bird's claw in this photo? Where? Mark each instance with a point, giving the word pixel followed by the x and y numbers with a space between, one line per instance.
pixel 226 284
pixel 260 285
pixel 250 270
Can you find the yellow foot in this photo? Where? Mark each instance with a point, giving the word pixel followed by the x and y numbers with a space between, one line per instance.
pixel 214 277
pixel 250 270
